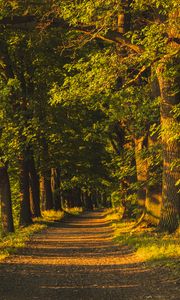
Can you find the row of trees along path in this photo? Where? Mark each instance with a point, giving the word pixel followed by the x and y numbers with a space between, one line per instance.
pixel 89 103
pixel 76 259
pixel 89 117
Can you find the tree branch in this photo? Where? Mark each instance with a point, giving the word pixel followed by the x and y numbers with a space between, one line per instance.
pixel 111 36
pixel 136 77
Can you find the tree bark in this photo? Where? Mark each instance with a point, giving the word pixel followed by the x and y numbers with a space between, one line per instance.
pixel 35 189
pixel 46 191
pixel 25 211
pixel 169 220
pixel 124 17
pixel 88 201
pixel 5 200
pixel 154 187
pixel 76 193
pixel 141 169
pixel 94 199
pixel 55 186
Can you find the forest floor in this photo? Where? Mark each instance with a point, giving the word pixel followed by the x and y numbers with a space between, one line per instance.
pixel 77 259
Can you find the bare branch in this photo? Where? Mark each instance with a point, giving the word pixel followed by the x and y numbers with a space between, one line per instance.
pixel 136 77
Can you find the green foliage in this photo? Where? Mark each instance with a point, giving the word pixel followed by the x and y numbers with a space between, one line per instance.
pixel 52 216
pixel 10 244
pixel 148 245
pixel 84 92
pixel 101 14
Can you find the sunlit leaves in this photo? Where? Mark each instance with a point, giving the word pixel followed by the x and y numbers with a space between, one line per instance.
pixel 88 79
pixel 100 13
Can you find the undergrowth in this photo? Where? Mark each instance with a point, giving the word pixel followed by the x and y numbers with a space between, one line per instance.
pixel 149 246
pixel 74 211
pixel 10 243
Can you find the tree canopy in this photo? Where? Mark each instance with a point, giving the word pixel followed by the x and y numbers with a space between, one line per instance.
pixel 89 108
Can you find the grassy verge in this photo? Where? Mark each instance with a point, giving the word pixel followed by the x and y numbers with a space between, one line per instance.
pixel 75 211
pixel 10 243
pixel 153 248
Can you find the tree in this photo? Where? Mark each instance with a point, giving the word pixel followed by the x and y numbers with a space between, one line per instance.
pixel 154 43
pixel 5 200
pixel 117 47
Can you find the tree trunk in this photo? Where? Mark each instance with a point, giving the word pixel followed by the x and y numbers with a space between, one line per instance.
pixel 88 201
pixel 34 189
pixel 124 17
pixel 124 193
pixel 55 186
pixel 82 199
pixel 70 199
pixel 5 200
pixel 25 211
pixel 141 169
pixel 77 197
pixel 153 204
pixel 169 220
pixel 149 195
pixel 42 192
pixel 46 191
pixel 94 199
pixel 154 187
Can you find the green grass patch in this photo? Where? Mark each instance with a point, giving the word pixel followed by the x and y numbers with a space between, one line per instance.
pixel 74 211
pixel 149 246
pixel 51 216
pixel 10 243
pixel 114 215
pixel 13 241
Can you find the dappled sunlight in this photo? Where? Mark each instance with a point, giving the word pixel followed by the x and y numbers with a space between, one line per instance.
pixel 92 286
pixel 77 242
pixel 77 259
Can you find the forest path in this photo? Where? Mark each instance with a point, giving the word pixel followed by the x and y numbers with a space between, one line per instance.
pixel 76 259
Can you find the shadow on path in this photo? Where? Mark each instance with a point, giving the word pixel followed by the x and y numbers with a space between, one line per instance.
pixel 76 259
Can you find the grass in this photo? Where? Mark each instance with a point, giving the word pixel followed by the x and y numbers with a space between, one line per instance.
pixel 114 215
pixel 13 241
pixel 49 216
pixel 74 211
pixel 150 247
pixel 10 243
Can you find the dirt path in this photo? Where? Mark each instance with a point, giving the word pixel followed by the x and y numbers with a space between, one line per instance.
pixel 76 259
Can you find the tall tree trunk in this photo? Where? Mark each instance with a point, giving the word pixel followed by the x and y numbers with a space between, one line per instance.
pixel 77 197
pixel 141 169
pixel 171 150
pixel 35 189
pixel 124 193
pixel 70 199
pixel 154 188
pixel 88 201
pixel 149 195
pixel 5 200
pixel 42 192
pixel 25 211
pixel 46 190
pixel 94 199
pixel 55 185
pixel 124 17
pixel 82 199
